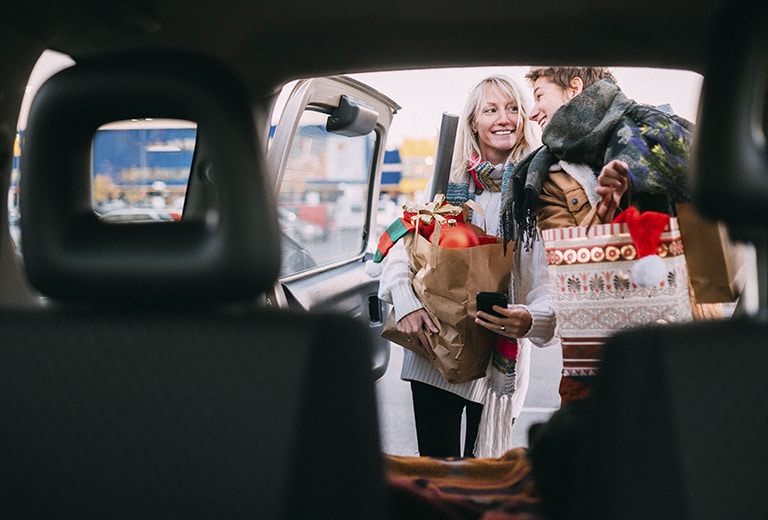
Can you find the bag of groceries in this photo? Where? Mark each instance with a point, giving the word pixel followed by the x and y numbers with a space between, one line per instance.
pixel 452 262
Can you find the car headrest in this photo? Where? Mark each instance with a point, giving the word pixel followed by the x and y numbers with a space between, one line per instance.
pixel 730 173
pixel 70 254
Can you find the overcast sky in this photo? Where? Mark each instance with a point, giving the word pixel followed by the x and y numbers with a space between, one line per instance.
pixel 425 95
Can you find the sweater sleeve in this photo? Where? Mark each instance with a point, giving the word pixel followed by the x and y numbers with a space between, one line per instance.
pixel 395 284
pixel 539 297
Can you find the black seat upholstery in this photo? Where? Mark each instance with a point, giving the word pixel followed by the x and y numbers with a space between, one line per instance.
pixel 145 390
pixel 678 427
pixel 130 415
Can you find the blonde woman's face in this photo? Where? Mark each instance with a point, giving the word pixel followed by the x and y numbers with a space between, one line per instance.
pixel 498 125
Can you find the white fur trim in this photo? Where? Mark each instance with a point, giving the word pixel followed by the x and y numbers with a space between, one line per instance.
pixel 584 175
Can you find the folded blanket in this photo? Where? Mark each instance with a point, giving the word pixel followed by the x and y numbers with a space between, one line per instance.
pixel 489 489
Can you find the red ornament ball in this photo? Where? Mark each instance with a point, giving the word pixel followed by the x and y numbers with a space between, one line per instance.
pixel 458 235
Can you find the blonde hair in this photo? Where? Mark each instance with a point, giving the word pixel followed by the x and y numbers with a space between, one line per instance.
pixel 467 144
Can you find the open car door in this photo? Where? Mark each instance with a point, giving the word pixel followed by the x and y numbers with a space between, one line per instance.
pixel 327 153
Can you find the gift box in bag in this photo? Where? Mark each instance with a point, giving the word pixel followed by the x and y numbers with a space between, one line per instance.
pixel 591 270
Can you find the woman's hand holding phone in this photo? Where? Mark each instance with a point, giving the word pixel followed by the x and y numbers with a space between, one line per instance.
pixel 515 321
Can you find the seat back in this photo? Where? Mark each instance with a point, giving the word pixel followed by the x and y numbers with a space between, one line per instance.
pixel 678 427
pixel 146 389
pixel 132 415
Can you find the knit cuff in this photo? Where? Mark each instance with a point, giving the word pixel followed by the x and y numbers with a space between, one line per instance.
pixel 542 326
pixel 404 300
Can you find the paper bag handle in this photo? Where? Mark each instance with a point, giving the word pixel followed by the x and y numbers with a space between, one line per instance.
pixel 477 208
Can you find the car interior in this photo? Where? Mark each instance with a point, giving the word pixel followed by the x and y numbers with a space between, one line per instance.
pixel 211 364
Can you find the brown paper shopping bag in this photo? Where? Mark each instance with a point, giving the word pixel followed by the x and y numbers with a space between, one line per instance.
pixel 447 281
pixel 715 264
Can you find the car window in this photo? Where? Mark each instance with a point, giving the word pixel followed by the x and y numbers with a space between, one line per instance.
pixel 323 195
pixel 13 193
pixel 141 168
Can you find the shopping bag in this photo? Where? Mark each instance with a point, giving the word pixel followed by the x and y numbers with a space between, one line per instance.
pixel 446 281
pixel 591 270
pixel 715 263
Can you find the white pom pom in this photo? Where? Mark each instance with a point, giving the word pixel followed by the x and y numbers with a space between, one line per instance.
pixel 649 271
pixel 373 269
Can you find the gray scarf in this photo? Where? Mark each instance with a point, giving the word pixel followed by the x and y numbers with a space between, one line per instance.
pixel 595 127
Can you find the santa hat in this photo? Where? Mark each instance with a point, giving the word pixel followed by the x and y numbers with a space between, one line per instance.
pixel 646 229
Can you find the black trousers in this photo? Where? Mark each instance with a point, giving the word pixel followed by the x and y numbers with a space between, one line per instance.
pixel 438 421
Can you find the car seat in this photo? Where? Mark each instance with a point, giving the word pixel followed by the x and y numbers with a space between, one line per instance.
pixel 148 384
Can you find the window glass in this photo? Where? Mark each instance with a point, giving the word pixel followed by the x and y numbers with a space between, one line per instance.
pixel 323 200
pixel 13 194
pixel 141 169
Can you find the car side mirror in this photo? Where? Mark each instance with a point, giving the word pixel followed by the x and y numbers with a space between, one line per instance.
pixel 351 118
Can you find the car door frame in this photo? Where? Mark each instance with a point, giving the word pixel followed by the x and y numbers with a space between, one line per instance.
pixel 342 286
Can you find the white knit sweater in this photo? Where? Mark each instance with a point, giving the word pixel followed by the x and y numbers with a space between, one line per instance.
pixel 534 289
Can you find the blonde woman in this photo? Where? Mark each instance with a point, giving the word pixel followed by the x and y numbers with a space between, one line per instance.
pixel 494 134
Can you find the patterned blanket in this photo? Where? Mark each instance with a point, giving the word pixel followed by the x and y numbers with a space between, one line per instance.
pixel 462 489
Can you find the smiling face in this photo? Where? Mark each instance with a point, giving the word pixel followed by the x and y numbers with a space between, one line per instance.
pixel 547 98
pixel 497 124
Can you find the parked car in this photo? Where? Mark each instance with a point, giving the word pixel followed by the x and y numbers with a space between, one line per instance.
pixel 139 215
pixel 298 229
pixel 184 369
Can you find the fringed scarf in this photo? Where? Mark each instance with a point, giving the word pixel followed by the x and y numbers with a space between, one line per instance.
pixel 494 435
pixel 495 431
pixel 595 127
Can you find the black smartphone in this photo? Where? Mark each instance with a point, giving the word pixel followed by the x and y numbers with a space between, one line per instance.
pixel 486 300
